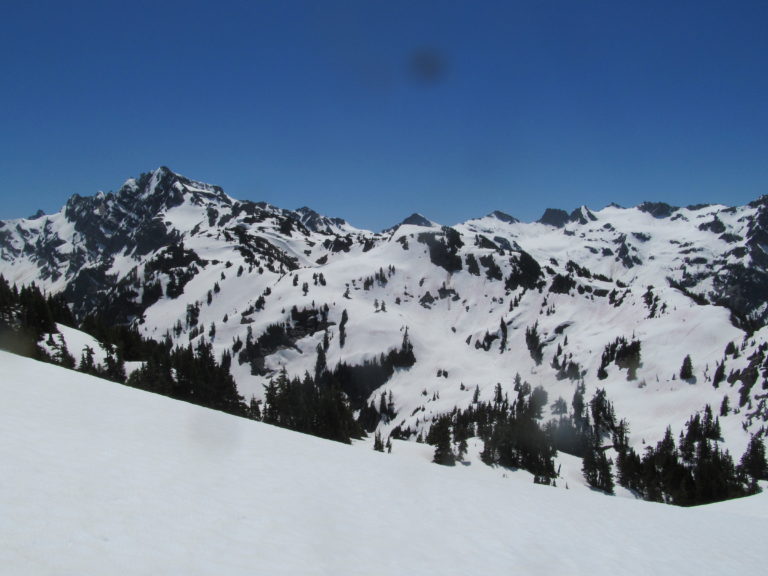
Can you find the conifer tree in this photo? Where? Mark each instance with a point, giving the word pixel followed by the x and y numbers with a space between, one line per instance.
pixel 753 462
pixel 440 437
pixel 686 370
pixel 342 328
pixel 378 445
pixel 597 469
pixel 87 364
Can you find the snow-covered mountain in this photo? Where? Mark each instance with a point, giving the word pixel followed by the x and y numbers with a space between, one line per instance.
pixel 557 301
pixel 98 478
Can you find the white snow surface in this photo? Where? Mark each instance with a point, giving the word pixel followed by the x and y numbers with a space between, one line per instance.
pixel 98 478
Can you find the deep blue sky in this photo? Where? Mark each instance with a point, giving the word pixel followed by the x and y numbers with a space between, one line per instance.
pixel 373 110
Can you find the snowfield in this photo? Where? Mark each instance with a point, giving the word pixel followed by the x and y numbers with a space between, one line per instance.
pixel 98 478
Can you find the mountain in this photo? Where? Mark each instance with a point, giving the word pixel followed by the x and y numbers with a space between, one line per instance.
pixel 99 478
pixel 493 309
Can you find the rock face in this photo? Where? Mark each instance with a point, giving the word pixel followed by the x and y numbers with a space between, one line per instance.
pixel 554 217
pixel 481 301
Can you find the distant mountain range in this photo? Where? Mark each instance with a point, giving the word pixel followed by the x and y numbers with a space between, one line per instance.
pixel 554 301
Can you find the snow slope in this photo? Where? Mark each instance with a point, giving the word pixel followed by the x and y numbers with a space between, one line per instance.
pixel 98 478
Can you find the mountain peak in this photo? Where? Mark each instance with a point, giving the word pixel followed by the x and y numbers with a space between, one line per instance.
pixel 657 209
pixel 503 217
pixel 417 219
pixel 582 215
pixel 317 222
pixel 554 217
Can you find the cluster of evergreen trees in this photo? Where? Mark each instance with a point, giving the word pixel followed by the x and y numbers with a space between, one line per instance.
pixel 443 248
pixel 324 404
pixel 510 432
pixel 318 407
pixel 26 315
pixel 624 354
pixel 304 322
pixel 693 471
pixel 28 321
pixel 360 380
pixel 191 374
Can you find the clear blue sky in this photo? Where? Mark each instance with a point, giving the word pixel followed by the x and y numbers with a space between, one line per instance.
pixel 372 110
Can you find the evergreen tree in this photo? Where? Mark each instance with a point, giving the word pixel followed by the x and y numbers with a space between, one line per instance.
pixel 753 462
pixel 342 328
pixel 686 370
pixel 597 469
pixel 440 437
pixel 87 364
pixel 114 366
pixel 378 445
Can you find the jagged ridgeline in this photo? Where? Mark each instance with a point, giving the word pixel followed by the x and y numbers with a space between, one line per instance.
pixel 602 334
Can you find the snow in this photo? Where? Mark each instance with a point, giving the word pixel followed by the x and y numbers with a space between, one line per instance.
pixel 99 478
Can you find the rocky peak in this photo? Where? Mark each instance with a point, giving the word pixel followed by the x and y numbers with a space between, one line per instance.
pixel 317 222
pixel 416 219
pixel 657 209
pixel 582 215
pixel 503 217
pixel 554 217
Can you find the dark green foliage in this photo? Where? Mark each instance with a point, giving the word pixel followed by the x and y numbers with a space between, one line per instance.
pixel 512 436
pixel 597 468
pixel 570 370
pixel 686 370
pixel 180 264
pixel 562 284
pixel 624 354
pixel 192 375
pixel 440 437
pixel 503 331
pixel 603 418
pixel 26 315
pixel 359 381
pixel 719 375
pixel 724 408
pixel 567 436
pixel 533 341
pixel 492 270
pixel 126 340
pixel 317 408
pixel 343 328
pixel 559 407
pixel 526 272
pixel 472 266
pixel 320 363
pixel 580 271
pixel 577 436
pixel 87 364
pixel 753 462
pixel 698 473
pixel 443 248
pixel 303 322
pixel 651 302
pixel 578 403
